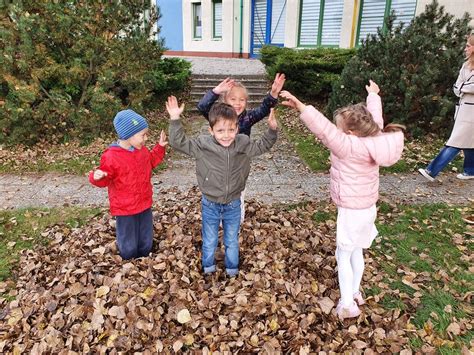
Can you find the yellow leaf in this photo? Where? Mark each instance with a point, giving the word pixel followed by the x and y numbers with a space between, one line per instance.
pixel 189 339
pixel 102 291
pixel 111 339
pixel 254 340
pixel 274 324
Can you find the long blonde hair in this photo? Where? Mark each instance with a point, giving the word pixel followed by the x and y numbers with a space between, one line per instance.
pixel 470 59
pixel 358 119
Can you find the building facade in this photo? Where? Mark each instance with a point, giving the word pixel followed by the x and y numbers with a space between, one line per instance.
pixel 239 28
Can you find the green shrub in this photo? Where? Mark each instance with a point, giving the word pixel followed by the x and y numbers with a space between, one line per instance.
pixel 415 68
pixel 309 72
pixel 67 67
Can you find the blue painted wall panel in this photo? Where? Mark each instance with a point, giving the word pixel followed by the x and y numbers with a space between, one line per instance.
pixel 171 23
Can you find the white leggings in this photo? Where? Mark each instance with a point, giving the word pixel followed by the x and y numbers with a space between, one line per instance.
pixel 350 268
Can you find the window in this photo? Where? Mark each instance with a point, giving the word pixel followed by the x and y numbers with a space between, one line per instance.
pixel 217 18
pixel 197 20
pixel 320 22
pixel 373 13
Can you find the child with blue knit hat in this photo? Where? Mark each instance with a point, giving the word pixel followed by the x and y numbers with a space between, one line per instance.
pixel 125 169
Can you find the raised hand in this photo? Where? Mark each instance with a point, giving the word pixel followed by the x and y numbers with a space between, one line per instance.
pixel 163 142
pixel 373 87
pixel 277 84
pixel 99 174
pixel 272 122
pixel 173 108
pixel 292 101
pixel 224 86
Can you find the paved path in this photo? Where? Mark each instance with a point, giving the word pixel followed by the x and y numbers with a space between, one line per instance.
pixel 226 66
pixel 276 177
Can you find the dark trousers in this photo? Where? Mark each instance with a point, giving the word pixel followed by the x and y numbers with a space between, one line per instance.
pixel 135 234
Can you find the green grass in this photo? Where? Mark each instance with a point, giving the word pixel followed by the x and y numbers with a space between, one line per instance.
pixel 420 239
pixel 21 229
pixel 437 302
pixel 433 241
pixel 322 216
pixel 313 153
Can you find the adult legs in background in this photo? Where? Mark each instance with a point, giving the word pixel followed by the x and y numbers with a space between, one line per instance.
pixel 443 158
pixel 468 162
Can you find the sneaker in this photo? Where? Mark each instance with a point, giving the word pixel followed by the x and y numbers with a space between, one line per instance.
pixel 426 174
pixel 464 176
pixel 359 299
pixel 350 312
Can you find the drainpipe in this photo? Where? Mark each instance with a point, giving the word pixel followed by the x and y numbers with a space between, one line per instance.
pixel 355 13
pixel 241 28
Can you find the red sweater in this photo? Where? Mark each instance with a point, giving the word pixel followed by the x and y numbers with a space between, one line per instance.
pixel 128 178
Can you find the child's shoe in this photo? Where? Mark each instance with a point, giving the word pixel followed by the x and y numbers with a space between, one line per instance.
pixel 347 312
pixel 358 298
pixel 464 176
pixel 426 174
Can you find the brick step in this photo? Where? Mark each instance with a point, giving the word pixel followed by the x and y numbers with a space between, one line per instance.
pixel 211 85
pixel 223 76
pixel 252 93
pixel 191 106
pixel 213 80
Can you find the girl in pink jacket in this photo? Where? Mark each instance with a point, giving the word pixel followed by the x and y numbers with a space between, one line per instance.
pixel 358 145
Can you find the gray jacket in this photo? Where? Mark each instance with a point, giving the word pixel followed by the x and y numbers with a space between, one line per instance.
pixel 221 171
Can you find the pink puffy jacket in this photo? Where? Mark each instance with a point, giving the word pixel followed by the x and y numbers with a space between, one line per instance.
pixel 355 160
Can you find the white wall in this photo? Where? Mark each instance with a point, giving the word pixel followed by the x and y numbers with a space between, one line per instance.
pixel 246 26
pixel 207 43
pixel 454 7
pixel 292 23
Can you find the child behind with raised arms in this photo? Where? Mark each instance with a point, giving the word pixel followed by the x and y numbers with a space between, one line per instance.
pixel 358 145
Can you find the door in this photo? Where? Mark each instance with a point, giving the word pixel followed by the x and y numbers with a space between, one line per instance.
pixel 268 24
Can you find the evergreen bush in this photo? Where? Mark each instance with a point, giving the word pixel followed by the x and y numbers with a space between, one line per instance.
pixel 309 72
pixel 68 66
pixel 415 68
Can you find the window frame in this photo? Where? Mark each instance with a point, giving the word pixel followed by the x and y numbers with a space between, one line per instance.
pixel 194 19
pixel 322 4
pixel 388 10
pixel 214 2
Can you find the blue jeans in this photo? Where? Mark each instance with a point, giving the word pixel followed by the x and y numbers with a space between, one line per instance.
pixel 135 234
pixel 446 155
pixel 212 215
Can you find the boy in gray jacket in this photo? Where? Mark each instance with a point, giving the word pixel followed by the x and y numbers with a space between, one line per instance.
pixel 222 169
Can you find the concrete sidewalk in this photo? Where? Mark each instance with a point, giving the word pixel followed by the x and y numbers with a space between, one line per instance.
pixel 274 178
pixel 53 190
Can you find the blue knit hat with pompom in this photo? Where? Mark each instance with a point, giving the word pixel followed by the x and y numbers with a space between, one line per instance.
pixel 128 123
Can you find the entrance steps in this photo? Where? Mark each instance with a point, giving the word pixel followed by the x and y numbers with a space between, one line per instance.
pixel 257 85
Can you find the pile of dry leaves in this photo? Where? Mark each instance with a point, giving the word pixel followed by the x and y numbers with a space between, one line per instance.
pixel 78 295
